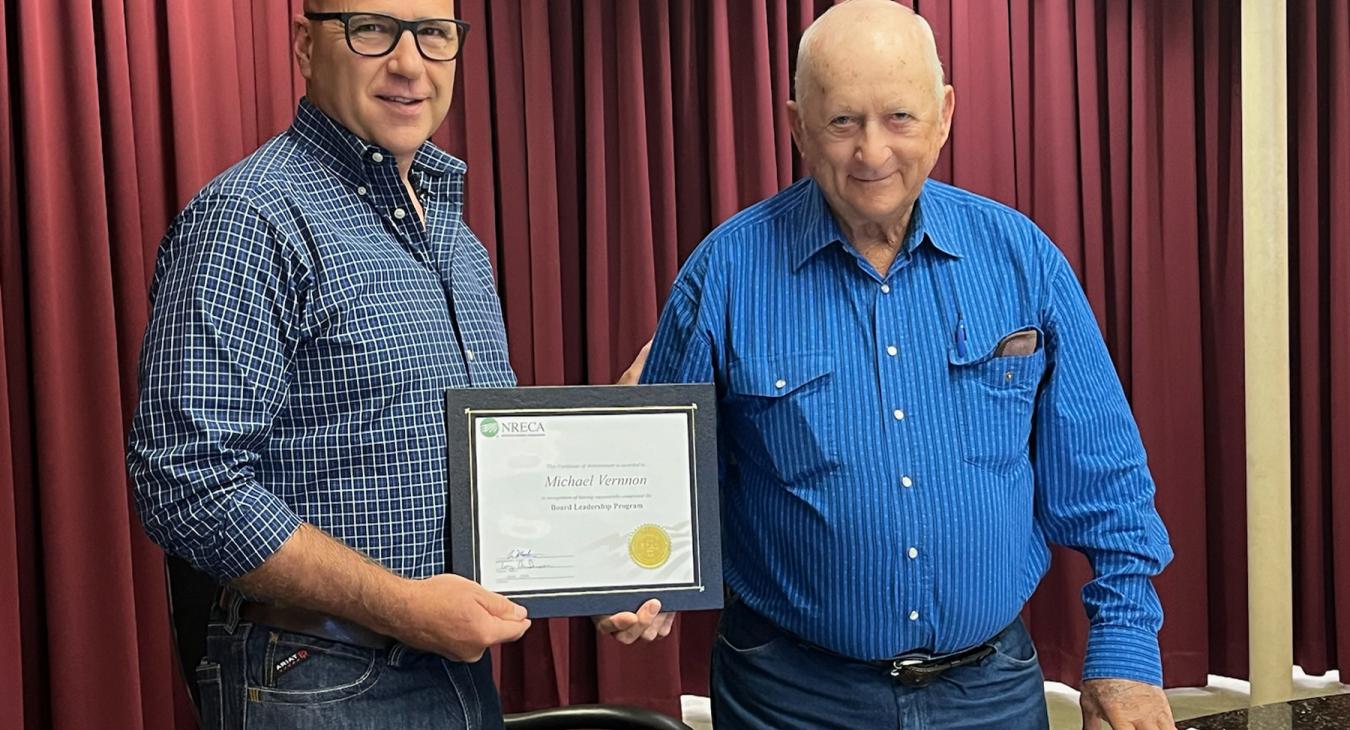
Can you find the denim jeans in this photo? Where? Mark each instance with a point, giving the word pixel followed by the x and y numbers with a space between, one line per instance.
pixel 765 678
pixel 255 676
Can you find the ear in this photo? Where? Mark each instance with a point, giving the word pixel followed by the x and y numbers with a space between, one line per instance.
pixel 795 125
pixel 948 108
pixel 302 45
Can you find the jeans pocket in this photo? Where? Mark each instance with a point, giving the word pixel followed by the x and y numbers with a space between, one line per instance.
pixel 782 410
pixel 997 403
pixel 746 633
pixel 1014 649
pixel 285 667
pixel 211 711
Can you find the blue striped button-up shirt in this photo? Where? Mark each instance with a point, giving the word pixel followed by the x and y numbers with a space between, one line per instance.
pixel 890 479
pixel 305 327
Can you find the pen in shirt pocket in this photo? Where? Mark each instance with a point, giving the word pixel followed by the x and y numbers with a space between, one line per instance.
pixel 960 335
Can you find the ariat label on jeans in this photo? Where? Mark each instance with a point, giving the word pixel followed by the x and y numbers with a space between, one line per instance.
pixel 289 663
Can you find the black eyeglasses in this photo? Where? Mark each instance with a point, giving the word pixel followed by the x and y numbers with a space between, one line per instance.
pixel 373 34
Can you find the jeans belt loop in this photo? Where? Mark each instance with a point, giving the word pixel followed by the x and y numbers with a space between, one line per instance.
pixel 231 600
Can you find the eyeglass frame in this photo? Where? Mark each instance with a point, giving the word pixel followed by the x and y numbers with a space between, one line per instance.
pixel 403 26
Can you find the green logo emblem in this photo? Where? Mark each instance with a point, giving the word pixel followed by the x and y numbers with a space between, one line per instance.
pixel 488 427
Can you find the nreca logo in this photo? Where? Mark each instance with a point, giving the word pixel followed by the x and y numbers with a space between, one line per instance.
pixel 488 427
pixel 521 427
pixel 513 428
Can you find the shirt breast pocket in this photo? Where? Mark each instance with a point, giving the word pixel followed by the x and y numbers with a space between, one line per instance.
pixel 782 414
pixel 997 402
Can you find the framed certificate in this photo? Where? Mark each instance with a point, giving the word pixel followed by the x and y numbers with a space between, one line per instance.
pixel 586 500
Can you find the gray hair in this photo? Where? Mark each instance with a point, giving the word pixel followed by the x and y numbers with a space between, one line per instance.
pixel 806 46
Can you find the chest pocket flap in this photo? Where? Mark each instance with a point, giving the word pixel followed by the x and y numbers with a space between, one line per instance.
pixel 782 413
pixel 770 377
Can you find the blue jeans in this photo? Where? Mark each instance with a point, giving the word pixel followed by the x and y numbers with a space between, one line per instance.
pixel 255 676
pixel 765 678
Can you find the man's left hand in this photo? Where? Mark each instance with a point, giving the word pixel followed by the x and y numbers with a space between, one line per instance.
pixel 648 624
pixel 1126 705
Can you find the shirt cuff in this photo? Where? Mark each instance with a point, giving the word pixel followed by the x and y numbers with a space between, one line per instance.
pixel 260 525
pixel 1123 652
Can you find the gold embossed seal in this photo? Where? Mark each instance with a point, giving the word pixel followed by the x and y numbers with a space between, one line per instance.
pixel 649 546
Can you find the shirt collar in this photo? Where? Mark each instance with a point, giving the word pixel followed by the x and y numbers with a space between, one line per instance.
pixel 932 223
pixel 818 228
pixel 353 158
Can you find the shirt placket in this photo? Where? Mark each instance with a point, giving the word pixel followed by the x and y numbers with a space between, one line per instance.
pixel 900 414
pixel 414 235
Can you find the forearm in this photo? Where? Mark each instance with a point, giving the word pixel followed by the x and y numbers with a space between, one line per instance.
pixel 315 571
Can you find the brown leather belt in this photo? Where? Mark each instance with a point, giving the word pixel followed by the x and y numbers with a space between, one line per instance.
pixel 313 623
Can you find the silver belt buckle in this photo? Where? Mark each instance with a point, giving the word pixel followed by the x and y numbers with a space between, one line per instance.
pixel 901 663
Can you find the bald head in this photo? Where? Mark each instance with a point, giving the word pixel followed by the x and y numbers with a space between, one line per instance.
pixel 855 33
pixel 871 115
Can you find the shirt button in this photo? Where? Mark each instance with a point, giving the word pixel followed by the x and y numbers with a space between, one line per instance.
pixel 885 288
pixel 360 189
pixel 913 615
pixel 780 384
pixel 913 553
pixel 906 482
pixel 400 213
pixel 468 354
pixel 892 350
pixel 899 415
pixel 376 157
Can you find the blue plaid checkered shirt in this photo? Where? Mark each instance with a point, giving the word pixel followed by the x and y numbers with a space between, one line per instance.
pixel 305 326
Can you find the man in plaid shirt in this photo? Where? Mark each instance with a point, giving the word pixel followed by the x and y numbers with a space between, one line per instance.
pixel 310 307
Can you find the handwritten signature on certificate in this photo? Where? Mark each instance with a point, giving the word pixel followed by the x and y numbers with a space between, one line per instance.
pixel 527 560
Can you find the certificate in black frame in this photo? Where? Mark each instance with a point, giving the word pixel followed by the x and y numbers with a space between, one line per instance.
pixel 465 406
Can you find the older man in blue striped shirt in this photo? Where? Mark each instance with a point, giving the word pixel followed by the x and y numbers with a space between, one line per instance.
pixel 915 401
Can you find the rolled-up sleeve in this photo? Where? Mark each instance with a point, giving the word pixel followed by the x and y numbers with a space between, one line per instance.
pixel 213 376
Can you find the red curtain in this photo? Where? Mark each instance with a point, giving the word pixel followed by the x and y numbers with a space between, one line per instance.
pixel 604 139
pixel 1319 213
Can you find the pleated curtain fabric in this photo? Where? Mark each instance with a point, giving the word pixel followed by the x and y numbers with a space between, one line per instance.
pixel 604 139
